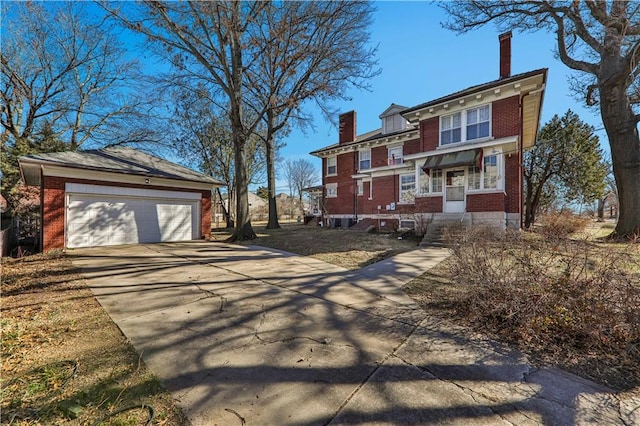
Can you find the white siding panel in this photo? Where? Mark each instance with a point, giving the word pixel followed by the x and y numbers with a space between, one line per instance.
pixel 81 188
pixel 100 220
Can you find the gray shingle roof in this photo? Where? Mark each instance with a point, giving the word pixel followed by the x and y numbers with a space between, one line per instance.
pixel 120 160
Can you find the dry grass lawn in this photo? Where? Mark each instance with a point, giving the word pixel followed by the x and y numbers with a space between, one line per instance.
pixel 345 248
pixel 64 361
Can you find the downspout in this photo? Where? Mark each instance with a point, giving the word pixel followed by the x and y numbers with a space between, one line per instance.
pixel 520 162
pixel 42 211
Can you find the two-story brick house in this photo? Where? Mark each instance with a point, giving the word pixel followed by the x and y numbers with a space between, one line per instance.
pixel 457 157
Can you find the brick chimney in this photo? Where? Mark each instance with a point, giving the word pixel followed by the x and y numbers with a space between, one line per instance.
pixel 347 127
pixel 505 54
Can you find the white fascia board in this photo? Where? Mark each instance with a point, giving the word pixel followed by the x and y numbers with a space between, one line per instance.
pixel 463 147
pixel 471 100
pixel 382 140
pixel 73 173
pixel 386 171
pixel 88 189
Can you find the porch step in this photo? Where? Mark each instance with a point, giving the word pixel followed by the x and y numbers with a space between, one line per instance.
pixel 454 223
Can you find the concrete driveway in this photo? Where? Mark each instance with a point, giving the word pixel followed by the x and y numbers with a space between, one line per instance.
pixel 248 334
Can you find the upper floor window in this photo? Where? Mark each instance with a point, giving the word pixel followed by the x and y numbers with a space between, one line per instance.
pixel 332 166
pixel 395 156
pixel 393 123
pixel 360 187
pixel 365 159
pixel 467 125
pixel 478 122
pixel 451 128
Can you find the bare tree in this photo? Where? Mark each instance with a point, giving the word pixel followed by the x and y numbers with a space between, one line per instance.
pixel 203 140
pixel 63 67
pixel 600 39
pixel 210 42
pixel 311 52
pixel 300 174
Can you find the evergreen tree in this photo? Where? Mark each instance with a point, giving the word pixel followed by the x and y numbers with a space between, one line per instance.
pixel 566 164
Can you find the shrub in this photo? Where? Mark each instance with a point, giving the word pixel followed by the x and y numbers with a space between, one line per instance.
pixel 561 224
pixel 553 294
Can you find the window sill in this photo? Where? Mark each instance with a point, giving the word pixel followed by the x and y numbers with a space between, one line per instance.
pixel 464 143
pixel 331 175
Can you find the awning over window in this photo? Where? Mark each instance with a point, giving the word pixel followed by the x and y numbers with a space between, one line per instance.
pixel 471 157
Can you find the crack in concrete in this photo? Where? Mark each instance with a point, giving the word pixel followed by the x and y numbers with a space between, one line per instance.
pixel 327 341
pixel 468 391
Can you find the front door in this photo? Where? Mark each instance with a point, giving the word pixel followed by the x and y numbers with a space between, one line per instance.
pixel 454 191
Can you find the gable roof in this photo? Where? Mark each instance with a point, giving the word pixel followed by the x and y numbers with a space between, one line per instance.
pixel 120 160
pixel 393 109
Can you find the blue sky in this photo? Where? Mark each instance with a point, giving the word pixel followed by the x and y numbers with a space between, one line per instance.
pixel 421 61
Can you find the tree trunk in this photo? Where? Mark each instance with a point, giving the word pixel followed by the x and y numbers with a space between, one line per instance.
pixel 601 209
pixel 243 228
pixel 271 184
pixel 225 213
pixel 621 126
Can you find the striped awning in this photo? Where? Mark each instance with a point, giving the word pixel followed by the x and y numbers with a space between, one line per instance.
pixel 470 157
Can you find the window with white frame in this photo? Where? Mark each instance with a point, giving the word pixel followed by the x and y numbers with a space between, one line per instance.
pixel 423 182
pixel 365 159
pixel 436 180
pixel 360 185
pixel 393 123
pixel 478 122
pixel 467 125
pixel 332 166
pixel 407 188
pixel 332 190
pixel 395 155
pixel 473 178
pixel 490 170
pixel 451 128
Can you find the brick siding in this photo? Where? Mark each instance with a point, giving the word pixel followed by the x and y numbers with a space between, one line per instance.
pixel 53 205
pixel 489 202
pixel 505 117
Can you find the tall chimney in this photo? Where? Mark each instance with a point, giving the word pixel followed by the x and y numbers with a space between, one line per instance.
pixel 347 127
pixel 505 54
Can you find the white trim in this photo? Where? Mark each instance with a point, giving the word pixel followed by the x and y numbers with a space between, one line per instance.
pixel 81 188
pixel 72 173
pixel 332 186
pixel 360 152
pixel 334 157
pixel 383 140
pixel 513 88
pixel 463 146
pixel 464 123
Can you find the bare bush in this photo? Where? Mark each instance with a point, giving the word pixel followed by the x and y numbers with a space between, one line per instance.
pixel 561 224
pixel 556 295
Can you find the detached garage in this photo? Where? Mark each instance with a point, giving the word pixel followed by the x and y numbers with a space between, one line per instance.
pixel 117 196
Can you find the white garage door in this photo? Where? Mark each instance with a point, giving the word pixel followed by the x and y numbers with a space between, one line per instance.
pixel 102 220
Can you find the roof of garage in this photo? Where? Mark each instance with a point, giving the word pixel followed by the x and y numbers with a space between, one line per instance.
pixel 121 160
